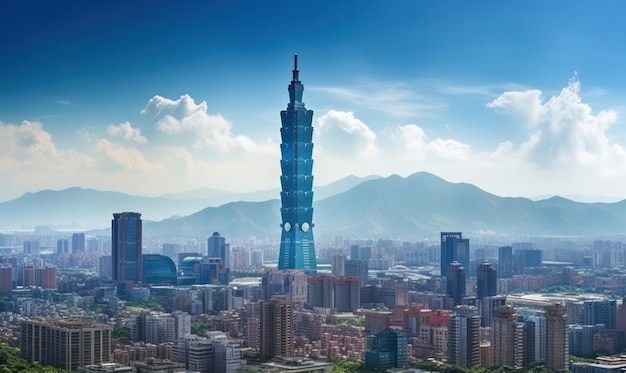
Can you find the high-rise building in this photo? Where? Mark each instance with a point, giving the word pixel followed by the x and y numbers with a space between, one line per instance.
pixel 347 294
pixel 386 349
pixel 557 346
pixel 464 337
pixel 297 249
pixel 78 242
pixel 600 311
pixel 321 291
pixel 339 264
pixel 454 248
pixel 505 261
pixel 488 306
pixel 126 250
pixel 6 279
pixel 455 282
pixel 62 246
pixel 277 328
pixel 65 343
pixel 358 268
pixel 487 280
pixel 218 248
pixel 507 337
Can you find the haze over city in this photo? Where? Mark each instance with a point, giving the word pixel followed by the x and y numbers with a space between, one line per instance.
pixel 518 98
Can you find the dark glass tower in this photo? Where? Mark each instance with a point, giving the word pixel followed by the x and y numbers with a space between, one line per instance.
pixel 126 250
pixel 297 250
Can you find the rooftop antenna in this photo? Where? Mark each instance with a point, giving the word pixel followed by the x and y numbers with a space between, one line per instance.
pixel 296 72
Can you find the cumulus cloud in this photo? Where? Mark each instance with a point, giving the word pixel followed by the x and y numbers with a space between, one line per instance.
pixel 184 118
pixel 341 133
pixel 564 131
pixel 127 157
pixel 29 145
pixel 127 132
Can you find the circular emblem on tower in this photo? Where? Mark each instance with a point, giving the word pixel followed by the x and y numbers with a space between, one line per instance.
pixel 287 226
pixel 287 241
pixel 305 227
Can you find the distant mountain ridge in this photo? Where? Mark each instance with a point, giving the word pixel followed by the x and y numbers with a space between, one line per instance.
pixel 418 206
pixel 89 208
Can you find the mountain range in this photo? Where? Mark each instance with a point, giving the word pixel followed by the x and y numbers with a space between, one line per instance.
pixel 412 208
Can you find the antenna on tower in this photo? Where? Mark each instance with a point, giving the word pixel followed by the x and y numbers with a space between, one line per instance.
pixel 296 75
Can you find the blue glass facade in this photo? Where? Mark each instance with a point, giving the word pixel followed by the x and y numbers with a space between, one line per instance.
pixel 158 269
pixel 297 250
pixel 126 249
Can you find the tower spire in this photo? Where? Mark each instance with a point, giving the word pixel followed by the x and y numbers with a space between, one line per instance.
pixel 296 72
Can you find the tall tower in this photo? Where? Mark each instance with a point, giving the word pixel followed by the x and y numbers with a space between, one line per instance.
pixel 455 282
pixel 126 250
pixel 464 337
pixel 487 280
pixel 557 346
pixel 297 250
pixel 454 248
pixel 277 328
pixel 218 248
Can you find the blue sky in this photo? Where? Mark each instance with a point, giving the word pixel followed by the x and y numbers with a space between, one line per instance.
pixel 521 98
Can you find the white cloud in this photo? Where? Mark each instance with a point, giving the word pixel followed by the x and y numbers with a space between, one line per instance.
pixel 127 132
pixel 564 130
pixel 190 121
pixel 129 158
pixel 341 133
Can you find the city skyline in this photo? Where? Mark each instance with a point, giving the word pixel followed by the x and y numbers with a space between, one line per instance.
pixel 172 98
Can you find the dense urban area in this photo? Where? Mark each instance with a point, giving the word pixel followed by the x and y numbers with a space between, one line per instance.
pixel 550 304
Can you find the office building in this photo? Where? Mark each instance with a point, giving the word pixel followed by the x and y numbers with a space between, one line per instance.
pixel 126 251
pixel 600 311
pixel 338 267
pixel 455 282
pixel 488 306
pixel 277 328
pixel 454 248
pixel 218 248
pixel 31 247
pixel 65 343
pixel 62 246
pixel 506 338
pixel 297 249
pixel 534 335
pixel 347 294
pixel 487 280
pixel 78 242
pixel 360 252
pixel 105 266
pixel 557 346
pixel 386 349
pixel 321 291
pixel 158 270
pixel 464 337
pixel 358 268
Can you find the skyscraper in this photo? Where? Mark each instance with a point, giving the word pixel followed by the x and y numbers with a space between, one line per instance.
pixel 126 249
pixel 487 281
pixel 277 328
pixel 464 337
pixel 454 248
pixel 297 250
pixel 78 242
pixel 455 282
pixel 507 337
pixel 218 248
pixel 557 346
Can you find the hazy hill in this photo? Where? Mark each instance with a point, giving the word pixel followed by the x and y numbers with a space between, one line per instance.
pixel 414 207
pixel 89 208
pixel 418 206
